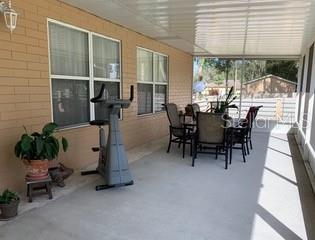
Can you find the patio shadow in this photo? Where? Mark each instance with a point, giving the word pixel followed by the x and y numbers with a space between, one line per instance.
pixel 279 175
pixel 278 226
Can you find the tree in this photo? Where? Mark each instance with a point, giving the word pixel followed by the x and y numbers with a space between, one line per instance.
pixel 286 69
pixel 224 66
pixel 218 79
pixel 217 70
pixel 254 69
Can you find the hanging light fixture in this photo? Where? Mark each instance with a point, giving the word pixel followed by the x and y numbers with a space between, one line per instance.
pixel 10 15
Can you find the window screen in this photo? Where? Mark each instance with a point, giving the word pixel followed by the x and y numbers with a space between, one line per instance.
pixel 70 101
pixel 145 98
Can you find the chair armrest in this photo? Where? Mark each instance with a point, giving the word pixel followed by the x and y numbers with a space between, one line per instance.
pixel 190 124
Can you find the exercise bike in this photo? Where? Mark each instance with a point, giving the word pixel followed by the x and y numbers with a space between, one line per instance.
pixel 112 163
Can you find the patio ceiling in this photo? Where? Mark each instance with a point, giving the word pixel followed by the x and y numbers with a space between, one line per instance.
pixel 257 28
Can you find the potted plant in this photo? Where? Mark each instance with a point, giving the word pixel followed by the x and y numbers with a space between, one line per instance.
pixel 222 106
pixel 9 203
pixel 37 148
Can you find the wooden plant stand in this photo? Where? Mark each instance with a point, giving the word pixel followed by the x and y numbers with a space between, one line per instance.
pixel 36 185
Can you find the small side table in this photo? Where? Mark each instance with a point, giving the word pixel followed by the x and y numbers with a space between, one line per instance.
pixel 34 185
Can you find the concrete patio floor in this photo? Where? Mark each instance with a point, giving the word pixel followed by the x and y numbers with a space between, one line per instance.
pixel 268 197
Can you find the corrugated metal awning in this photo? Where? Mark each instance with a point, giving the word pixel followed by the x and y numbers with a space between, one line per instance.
pixel 257 28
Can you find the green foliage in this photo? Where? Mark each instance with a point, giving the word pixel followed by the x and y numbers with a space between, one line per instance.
pixel 218 79
pixel 219 70
pixel 40 146
pixel 222 106
pixel 223 65
pixel 214 69
pixel 64 143
pixel 254 69
pixel 7 197
pixel 286 69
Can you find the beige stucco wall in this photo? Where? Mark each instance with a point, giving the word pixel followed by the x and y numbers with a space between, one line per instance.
pixel 25 85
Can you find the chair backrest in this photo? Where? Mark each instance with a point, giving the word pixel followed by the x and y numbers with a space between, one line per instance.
pixel 213 106
pixel 172 114
pixel 257 109
pixel 189 110
pixel 210 127
pixel 250 116
pixel 195 109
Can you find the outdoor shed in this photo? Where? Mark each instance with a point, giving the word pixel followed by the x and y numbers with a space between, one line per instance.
pixel 269 85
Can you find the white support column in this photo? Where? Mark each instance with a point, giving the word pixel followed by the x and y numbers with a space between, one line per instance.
pixel 299 74
pixel 243 59
pixel 310 112
pixel 303 94
pixel 241 92
pixel 309 143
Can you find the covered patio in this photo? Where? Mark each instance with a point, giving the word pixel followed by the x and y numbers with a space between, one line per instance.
pixel 55 61
pixel 268 197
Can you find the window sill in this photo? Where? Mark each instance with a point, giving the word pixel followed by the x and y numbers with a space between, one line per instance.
pixel 83 125
pixel 150 114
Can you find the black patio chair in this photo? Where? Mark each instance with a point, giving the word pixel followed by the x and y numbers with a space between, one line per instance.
pixel 248 123
pixel 237 139
pixel 195 108
pixel 210 136
pixel 180 132
pixel 191 110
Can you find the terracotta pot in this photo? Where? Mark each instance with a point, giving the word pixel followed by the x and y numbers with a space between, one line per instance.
pixel 9 211
pixel 36 169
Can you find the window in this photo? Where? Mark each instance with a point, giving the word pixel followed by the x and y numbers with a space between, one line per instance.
pixel 152 76
pixel 80 62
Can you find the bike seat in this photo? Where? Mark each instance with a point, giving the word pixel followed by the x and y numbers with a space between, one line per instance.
pixel 99 122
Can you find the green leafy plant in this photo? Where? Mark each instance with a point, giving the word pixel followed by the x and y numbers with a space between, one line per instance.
pixel 40 146
pixel 7 197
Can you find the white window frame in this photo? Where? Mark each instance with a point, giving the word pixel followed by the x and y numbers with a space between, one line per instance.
pixel 154 82
pixel 90 78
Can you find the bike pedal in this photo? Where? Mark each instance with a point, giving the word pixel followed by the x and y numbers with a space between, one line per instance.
pixel 95 149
